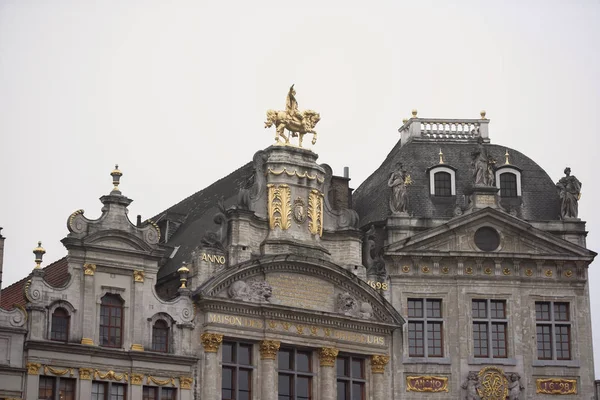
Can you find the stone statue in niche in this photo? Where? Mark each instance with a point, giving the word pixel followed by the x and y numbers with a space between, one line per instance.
pixel 483 165
pixel 348 305
pixel 216 239
pixel 398 181
pixel 569 189
pixel 373 258
pixel 253 291
pixel 471 385
pixel 514 386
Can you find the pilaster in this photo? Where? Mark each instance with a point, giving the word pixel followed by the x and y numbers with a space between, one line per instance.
pixel 378 364
pixel 211 385
pixel 327 358
pixel 268 354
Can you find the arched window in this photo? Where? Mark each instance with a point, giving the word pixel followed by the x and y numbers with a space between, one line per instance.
pixel 111 321
pixel 160 336
pixel 59 329
pixel 442 184
pixel 508 185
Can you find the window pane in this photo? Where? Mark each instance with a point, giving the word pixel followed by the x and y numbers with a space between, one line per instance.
pixel 227 378
pixel 168 394
pixel 357 368
pixel 442 184
pixel 285 385
pixel 415 339
pixel 358 390
pixel 480 344
pixel 499 340
pixel 561 311
pixel 99 391
pixel 303 387
pixel 434 309
pixel 244 380
pixel 434 339
pixel 508 185
pixel 228 352
pixel 150 393
pixel 303 362
pixel 544 342
pixel 415 308
pixel 66 389
pixel 341 365
pixel 244 354
pixel 563 342
pixel 284 358
pixel 160 336
pixel 46 388
pixel 498 309
pixel 542 311
pixel 343 390
pixel 479 309
pixel 60 325
pixel 117 391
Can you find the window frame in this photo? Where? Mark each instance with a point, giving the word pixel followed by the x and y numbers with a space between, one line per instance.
pixel 294 373
pixel 437 189
pixel 167 330
pixel 56 383
pixel 111 307
pixel 435 170
pixel 349 379
pixel 553 323
pixel 236 367
pixel 66 317
pixel 489 322
pixel 425 320
pixel 159 392
pixel 508 169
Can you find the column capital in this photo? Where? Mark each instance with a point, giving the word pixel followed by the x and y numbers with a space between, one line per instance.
pixel 211 341
pixel 378 363
pixel 327 356
pixel 269 349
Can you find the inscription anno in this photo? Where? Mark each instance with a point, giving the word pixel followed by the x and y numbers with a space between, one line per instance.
pixel 556 386
pixel 213 258
pixel 426 384
pixel 302 291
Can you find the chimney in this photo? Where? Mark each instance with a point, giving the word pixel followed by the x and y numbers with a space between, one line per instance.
pixel 138 223
pixel 1 258
pixel 341 195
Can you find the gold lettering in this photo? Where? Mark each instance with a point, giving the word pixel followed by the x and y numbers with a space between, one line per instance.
pixel 204 257
pixel 213 258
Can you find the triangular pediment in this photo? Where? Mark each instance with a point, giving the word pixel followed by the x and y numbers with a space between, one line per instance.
pixel 516 238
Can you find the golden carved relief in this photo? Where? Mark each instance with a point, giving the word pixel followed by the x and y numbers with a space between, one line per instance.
pixel 406 269
pixel 89 269
pixel 506 271
pixel 57 371
pixel 138 276
pixel 280 206
pixel 137 347
pixel 211 342
pixel 160 382
pixel 86 374
pixel 469 271
pixel 268 349
pixel 137 379
pixel 568 273
pixel 445 270
pixel 556 386
pixel 493 384
pixel 185 382
pixel 327 356
pixel 111 376
pixel 425 269
pixel 378 363
pixel 548 273
pixel 299 175
pixel 426 383
pixel 87 341
pixel 315 212
pixel 488 271
pixel 529 272
pixel 33 368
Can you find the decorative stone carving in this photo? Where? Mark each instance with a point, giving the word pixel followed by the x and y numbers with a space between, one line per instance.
pixel 185 382
pixel 216 239
pixel 471 386
pixel 86 374
pixel 327 356
pixel 254 291
pixel 372 257
pixel 398 181
pixel 493 384
pixel 315 212
pixel 279 206
pixel 33 368
pixel 347 304
pixel 254 185
pixel 138 276
pixel 136 379
pixel 299 211
pixel 366 311
pixel 89 269
pixel 268 349
pixel 569 189
pixel 515 386
pixel 211 342
pixel 483 165
pixel 378 363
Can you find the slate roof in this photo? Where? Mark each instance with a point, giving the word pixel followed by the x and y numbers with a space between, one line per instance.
pixel 56 274
pixel 540 201
pixel 199 210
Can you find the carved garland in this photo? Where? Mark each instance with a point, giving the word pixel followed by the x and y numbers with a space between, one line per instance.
pixel 280 206
pixel 111 375
pixel 315 212
pixel 295 172
pixel 57 371
pixel 160 382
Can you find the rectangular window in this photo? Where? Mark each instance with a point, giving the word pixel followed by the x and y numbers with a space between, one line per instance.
pixel 118 391
pixel 553 330
pixel 350 378
pixel 46 387
pixel 236 377
pixel 425 328
pixel 443 184
pixel 489 328
pixel 150 393
pixel 508 185
pixel 99 391
pixel 295 374
pixel 50 385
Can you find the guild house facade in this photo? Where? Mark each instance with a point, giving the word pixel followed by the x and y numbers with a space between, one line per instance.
pixel 457 270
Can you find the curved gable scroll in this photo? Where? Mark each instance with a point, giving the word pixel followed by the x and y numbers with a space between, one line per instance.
pixel 120 240
pixel 304 283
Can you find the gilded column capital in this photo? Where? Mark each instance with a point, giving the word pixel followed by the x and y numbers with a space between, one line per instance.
pixel 269 349
pixel 378 363
pixel 136 379
pixel 327 356
pixel 89 269
pixel 33 368
pixel 211 341
pixel 138 276
pixel 185 382
pixel 86 374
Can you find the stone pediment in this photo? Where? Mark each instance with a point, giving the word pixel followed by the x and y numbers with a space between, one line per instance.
pixel 290 283
pixel 516 238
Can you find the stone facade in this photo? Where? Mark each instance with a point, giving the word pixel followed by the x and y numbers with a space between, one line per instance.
pixel 292 283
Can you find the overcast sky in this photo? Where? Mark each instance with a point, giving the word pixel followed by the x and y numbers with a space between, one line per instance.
pixel 176 93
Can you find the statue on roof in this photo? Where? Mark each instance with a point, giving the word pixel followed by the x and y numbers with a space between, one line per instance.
pixel 398 182
pixel 569 188
pixel 483 165
pixel 295 122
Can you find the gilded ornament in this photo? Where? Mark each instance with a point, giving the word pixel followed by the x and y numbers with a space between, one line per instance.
pixel 285 325
pixel 426 383
pixel 488 271
pixel 136 379
pixel 111 375
pixel 268 349
pixel 327 332
pixel 296 173
pixel 33 368
pixel 425 269
pixel 299 211
pixel 315 212
pixel 160 382
pixel 506 271
pixel 138 276
pixel 405 269
pixel 87 341
pixel 185 382
pixel 548 273
pixel 57 371
pixel 469 270
pixel 556 386
pixel 280 206
pixel 529 272
pixel 272 324
pixel 493 384
pixel 378 363
pixel 568 273
pixel 300 329
pixel 313 330
pixel 327 356
pixel 445 270
pixel 211 342
pixel 137 347
pixel 86 374
pixel 89 269
pixel 72 217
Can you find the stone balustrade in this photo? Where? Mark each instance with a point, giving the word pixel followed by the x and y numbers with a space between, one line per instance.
pixel 444 129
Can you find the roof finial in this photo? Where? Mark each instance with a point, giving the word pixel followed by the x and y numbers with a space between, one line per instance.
pixel 506 162
pixel 116 174
pixel 414 113
pixel 482 113
pixel 404 121
pixel 441 156
pixel 183 276
pixel 39 254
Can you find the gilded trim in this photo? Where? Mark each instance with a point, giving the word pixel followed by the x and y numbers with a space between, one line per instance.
pixel 211 342
pixel 136 379
pixel 111 375
pixel 185 382
pixel 411 384
pixel 280 206
pixel 160 382
pixel 86 374
pixel 315 212
pixel 327 356
pixel 565 386
pixel 57 371
pixel 295 172
pixel 88 341
pixel 378 363
pixel 268 349
pixel 137 347
pixel 89 269
pixel 33 368
pixel 138 276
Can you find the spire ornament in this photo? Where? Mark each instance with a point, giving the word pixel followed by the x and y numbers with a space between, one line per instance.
pixel 506 162
pixel 116 175
pixel 39 252
pixel 441 156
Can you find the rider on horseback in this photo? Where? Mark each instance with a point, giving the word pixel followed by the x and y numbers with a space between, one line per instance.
pixel 291 107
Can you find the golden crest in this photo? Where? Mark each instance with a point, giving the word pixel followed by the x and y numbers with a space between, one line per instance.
pixel 494 385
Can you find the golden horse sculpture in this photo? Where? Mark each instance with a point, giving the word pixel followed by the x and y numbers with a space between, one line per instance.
pixel 282 120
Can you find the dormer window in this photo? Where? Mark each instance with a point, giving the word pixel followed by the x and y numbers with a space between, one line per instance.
pixel 508 180
pixel 442 181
